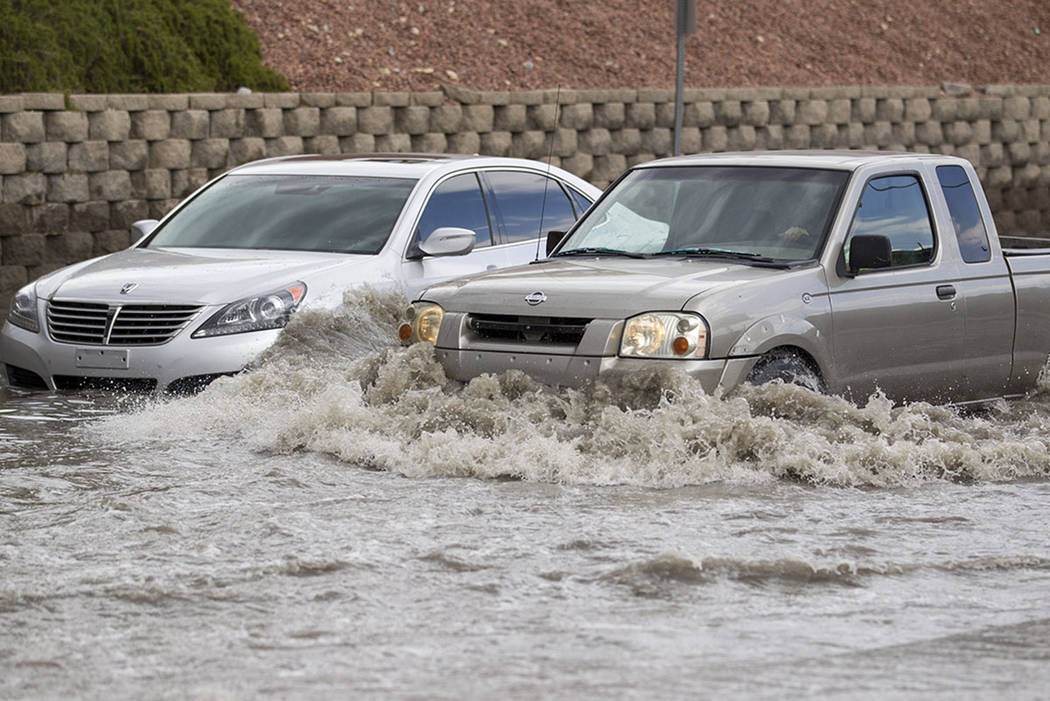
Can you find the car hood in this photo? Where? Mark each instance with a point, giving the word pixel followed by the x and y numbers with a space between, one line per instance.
pixel 189 276
pixel 611 288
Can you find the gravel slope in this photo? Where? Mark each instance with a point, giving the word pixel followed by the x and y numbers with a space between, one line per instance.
pixel 348 45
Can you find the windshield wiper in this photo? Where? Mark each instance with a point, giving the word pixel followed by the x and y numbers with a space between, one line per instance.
pixel 696 250
pixel 599 251
pixel 742 256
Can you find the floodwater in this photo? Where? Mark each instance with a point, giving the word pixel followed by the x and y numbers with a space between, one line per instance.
pixel 344 522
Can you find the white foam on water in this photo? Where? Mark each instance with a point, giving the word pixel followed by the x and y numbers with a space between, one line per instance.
pixel 337 384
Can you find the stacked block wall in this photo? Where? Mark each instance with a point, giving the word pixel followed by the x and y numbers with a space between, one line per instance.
pixel 76 171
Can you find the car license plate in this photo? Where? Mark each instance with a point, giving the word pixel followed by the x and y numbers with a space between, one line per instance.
pixel 102 358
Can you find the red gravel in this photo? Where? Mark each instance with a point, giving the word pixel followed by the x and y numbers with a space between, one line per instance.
pixel 350 45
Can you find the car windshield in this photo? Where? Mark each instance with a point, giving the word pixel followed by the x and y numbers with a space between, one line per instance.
pixel 341 214
pixel 744 211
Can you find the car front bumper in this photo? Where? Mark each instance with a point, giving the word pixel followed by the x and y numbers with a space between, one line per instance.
pixel 181 360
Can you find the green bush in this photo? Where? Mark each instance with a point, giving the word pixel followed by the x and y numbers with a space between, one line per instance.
pixel 107 46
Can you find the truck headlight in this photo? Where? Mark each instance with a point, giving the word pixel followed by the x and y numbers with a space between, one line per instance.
pixel 664 335
pixel 421 322
pixel 269 311
pixel 23 309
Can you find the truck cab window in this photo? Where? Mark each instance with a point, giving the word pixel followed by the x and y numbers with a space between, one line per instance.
pixel 894 206
pixel 456 202
pixel 965 213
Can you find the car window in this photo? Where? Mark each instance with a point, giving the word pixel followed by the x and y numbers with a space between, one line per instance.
pixel 581 202
pixel 521 198
pixel 965 213
pixel 344 214
pixel 457 202
pixel 894 206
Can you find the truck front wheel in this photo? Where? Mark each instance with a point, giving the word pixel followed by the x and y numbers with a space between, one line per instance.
pixel 788 366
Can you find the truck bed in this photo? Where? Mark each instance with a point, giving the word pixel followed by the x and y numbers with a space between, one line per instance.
pixel 1014 246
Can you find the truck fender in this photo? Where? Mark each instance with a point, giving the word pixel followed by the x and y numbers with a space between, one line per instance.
pixel 783 330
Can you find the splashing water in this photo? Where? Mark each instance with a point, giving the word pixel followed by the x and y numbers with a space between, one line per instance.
pixel 335 383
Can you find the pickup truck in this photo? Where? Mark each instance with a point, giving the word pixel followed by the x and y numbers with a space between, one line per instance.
pixel 847 272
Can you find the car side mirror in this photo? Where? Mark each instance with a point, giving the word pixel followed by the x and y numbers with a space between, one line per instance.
pixel 142 228
pixel 448 241
pixel 869 251
pixel 553 239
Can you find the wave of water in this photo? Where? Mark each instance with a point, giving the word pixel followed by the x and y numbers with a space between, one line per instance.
pixel 336 383
pixel 657 573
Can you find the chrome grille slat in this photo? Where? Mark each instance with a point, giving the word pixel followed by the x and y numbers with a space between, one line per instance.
pixel 83 317
pixel 127 328
pixel 87 323
pixel 73 325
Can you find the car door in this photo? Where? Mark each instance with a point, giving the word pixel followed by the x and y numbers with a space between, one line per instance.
pixel 526 206
pixel 897 328
pixel 455 201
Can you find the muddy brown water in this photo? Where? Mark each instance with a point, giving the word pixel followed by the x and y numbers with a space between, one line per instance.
pixel 342 521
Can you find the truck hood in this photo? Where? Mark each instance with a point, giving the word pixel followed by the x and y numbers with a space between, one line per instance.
pixel 611 288
pixel 190 276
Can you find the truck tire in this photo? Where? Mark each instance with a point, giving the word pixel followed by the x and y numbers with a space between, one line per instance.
pixel 789 367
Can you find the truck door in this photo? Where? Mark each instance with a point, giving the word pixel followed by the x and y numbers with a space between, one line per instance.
pixel 985 291
pixel 898 328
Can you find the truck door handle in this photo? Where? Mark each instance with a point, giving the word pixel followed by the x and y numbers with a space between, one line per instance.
pixel 946 291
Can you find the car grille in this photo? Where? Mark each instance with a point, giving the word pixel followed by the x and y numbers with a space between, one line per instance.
pixel 106 384
pixel 541 330
pixel 120 325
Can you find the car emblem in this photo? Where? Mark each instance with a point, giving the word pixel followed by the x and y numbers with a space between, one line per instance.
pixel 535 298
pixel 128 287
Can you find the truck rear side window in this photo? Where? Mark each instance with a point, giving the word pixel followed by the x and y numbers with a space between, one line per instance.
pixel 966 214
pixel 895 206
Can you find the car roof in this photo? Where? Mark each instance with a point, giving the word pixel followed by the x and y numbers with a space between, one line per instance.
pixel 394 165
pixel 831 159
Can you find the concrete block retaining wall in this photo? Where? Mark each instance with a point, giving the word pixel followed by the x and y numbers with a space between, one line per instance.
pixel 76 171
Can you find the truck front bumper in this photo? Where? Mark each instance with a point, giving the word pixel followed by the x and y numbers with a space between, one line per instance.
pixel 576 371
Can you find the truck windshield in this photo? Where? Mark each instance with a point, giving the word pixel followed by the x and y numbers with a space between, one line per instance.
pixel 749 211
pixel 342 214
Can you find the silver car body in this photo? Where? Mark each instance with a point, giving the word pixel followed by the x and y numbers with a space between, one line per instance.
pixel 204 280
pixel 896 330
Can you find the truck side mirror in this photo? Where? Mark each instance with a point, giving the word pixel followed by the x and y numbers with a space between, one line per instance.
pixel 553 239
pixel 142 228
pixel 867 251
pixel 448 241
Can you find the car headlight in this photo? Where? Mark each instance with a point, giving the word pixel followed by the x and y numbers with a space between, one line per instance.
pixel 23 309
pixel 664 335
pixel 269 311
pixel 421 322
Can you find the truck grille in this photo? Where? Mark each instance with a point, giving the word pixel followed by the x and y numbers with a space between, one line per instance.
pixel 542 330
pixel 128 325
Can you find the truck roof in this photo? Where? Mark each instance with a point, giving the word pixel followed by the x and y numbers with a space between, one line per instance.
pixel 834 160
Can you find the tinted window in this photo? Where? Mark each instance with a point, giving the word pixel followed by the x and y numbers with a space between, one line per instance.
pixel 290 212
pixel 581 202
pixel 966 215
pixel 520 198
pixel 895 207
pixel 457 202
